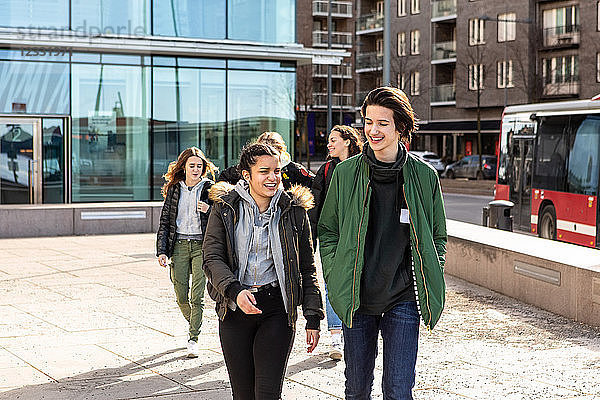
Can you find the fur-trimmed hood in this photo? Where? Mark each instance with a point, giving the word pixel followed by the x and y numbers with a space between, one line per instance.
pixel 297 195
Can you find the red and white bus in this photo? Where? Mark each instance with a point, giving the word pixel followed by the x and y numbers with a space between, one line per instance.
pixel 548 166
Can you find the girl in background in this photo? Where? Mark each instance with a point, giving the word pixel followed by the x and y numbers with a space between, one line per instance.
pixel 181 231
pixel 344 142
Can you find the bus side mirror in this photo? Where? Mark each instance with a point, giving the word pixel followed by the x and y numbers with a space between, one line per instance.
pixel 533 117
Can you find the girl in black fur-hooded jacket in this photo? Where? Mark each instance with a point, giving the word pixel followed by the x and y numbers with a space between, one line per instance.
pixel 259 263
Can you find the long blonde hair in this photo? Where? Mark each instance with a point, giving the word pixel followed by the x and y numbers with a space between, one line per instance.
pixel 176 171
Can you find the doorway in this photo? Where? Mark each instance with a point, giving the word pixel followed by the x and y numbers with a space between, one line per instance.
pixel 32 160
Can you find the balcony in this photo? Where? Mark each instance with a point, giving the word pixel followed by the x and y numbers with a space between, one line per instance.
pixel 567 88
pixel 443 94
pixel 443 9
pixel 372 23
pixel 337 71
pixel 369 62
pixel 338 39
pixel 558 36
pixel 339 9
pixel 443 51
pixel 337 100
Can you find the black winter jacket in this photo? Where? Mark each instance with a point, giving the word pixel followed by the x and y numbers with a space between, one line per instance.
pixel 319 190
pixel 291 174
pixel 220 259
pixel 167 229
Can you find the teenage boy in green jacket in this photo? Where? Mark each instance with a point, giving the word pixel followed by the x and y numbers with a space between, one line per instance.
pixel 382 236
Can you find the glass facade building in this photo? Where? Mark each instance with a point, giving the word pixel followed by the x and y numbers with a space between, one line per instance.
pixel 98 125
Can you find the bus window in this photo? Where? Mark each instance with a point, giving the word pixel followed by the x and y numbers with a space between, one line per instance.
pixel 549 171
pixel 582 175
pixel 508 129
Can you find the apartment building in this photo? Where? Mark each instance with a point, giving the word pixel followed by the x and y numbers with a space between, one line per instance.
pixel 311 90
pixel 460 59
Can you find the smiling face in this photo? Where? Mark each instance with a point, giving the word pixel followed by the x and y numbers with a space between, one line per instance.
pixel 193 170
pixel 264 178
pixel 381 132
pixel 337 146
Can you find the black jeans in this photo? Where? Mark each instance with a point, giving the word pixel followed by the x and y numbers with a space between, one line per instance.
pixel 256 347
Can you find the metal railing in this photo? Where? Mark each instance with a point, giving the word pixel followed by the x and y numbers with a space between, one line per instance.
pixel 561 35
pixel 337 100
pixel 443 93
pixel 338 8
pixel 568 87
pixel 337 71
pixel 369 61
pixel 368 22
pixel 443 50
pixel 443 8
pixel 338 39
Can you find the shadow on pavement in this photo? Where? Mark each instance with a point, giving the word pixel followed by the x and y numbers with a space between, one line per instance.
pixel 138 379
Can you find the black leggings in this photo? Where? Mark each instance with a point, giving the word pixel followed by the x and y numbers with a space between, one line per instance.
pixel 256 347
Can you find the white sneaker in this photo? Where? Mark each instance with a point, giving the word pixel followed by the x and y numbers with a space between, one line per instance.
pixel 336 351
pixel 193 349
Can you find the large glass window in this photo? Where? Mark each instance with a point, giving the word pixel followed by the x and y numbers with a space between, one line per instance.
pixel 257 102
pixel 552 144
pixel 584 154
pixel 269 21
pixel 189 18
pixel 118 17
pixel 34 87
pixel 47 14
pixel 189 110
pixel 110 146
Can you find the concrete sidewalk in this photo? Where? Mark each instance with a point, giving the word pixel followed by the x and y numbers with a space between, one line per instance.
pixel 95 318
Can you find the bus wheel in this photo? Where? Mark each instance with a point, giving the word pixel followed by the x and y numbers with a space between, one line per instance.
pixel 547 223
pixel 479 175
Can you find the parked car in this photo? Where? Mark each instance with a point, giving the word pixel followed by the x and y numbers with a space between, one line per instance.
pixel 432 159
pixel 468 167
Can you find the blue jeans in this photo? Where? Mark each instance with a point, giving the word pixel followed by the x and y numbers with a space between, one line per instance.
pixel 400 331
pixel 333 321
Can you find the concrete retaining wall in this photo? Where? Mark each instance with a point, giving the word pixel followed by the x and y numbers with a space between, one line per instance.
pixel 558 277
pixel 78 219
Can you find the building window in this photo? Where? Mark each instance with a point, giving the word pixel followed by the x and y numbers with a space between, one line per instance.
pixel 598 16
pixel 189 18
pixel 505 74
pixel 560 24
pixel 415 6
pixel 415 39
pixel 53 14
pixel 476 76
pixel 563 69
pixel 415 85
pixel 380 6
pixel 267 21
pixel 401 81
pixel 597 67
pixel 476 31
pixel 111 16
pixel 507 27
pixel 401 8
pixel 379 47
pixel 402 44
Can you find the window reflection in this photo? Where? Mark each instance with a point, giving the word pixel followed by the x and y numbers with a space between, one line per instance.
pixel 52 160
pixel 51 14
pixel 110 157
pixel 258 102
pixel 267 21
pixel 189 18
pixel 189 110
pixel 34 87
pixel 94 17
